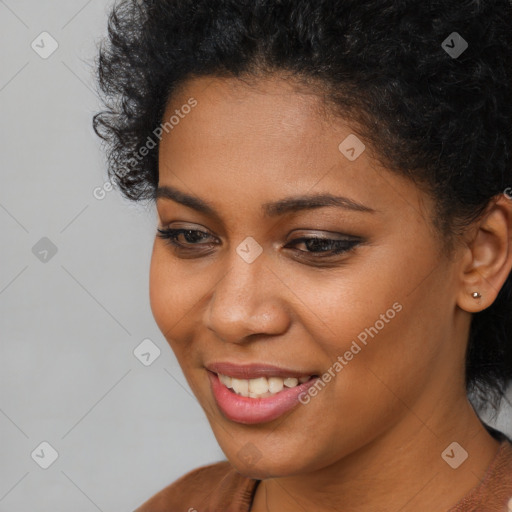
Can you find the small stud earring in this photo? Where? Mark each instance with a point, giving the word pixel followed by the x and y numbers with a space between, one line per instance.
pixel 476 295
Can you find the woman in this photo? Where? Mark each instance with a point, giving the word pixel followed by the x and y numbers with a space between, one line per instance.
pixel 332 262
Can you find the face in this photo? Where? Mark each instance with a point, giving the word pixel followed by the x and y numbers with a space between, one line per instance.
pixel 356 288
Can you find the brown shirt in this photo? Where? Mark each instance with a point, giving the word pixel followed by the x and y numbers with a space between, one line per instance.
pixel 220 488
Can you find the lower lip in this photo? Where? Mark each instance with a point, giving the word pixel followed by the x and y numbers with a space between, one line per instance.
pixel 247 410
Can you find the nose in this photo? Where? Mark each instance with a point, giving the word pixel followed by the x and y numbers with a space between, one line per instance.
pixel 247 300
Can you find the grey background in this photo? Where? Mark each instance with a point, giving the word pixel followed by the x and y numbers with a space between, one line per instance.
pixel 69 323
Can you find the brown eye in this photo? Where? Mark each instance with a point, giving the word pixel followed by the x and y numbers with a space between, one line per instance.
pixel 191 236
pixel 328 246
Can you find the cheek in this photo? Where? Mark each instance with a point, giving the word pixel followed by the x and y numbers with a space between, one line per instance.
pixel 170 305
pixel 383 328
pixel 177 292
pixel 388 360
pixel 167 292
pixel 157 289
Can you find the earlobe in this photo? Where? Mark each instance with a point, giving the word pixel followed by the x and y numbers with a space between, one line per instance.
pixel 488 259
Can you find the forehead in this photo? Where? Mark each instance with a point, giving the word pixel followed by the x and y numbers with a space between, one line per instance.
pixel 269 127
pixel 266 140
pixel 277 88
pixel 250 112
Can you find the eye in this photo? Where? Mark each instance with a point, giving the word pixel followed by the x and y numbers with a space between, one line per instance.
pixel 316 247
pixel 191 236
pixel 324 247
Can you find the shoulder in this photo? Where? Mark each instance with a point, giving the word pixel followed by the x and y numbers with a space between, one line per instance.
pixel 203 489
pixel 495 489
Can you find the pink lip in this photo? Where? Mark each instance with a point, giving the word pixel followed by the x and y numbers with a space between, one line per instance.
pixel 253 371
pixel 255 410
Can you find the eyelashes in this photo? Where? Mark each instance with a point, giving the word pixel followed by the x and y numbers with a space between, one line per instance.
pixel 171 235
pixel 317 247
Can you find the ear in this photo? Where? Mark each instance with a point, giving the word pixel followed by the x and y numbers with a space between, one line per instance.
pixel 487 258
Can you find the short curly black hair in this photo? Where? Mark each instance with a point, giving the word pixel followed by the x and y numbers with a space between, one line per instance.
pixel 435 110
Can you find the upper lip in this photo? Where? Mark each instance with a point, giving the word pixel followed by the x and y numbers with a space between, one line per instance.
pixel 254 370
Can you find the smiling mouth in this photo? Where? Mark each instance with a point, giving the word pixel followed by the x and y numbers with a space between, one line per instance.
pixel 261 398
pixel 261 387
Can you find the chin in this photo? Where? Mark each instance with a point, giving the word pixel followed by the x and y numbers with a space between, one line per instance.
pixel 262 466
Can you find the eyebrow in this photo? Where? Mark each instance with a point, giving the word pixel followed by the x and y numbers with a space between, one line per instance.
pixel 272 209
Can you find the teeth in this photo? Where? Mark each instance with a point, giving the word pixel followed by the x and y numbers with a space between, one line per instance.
pixel 225 380
pixel 275 384
pixel 260 387
pixel 256 395
pixel 240 386
pixel 291 382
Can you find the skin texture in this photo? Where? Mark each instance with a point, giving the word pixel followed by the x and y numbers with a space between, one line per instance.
pixel 382 423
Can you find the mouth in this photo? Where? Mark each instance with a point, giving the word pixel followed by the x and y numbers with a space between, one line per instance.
pixel 261 387
pixel 257 394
